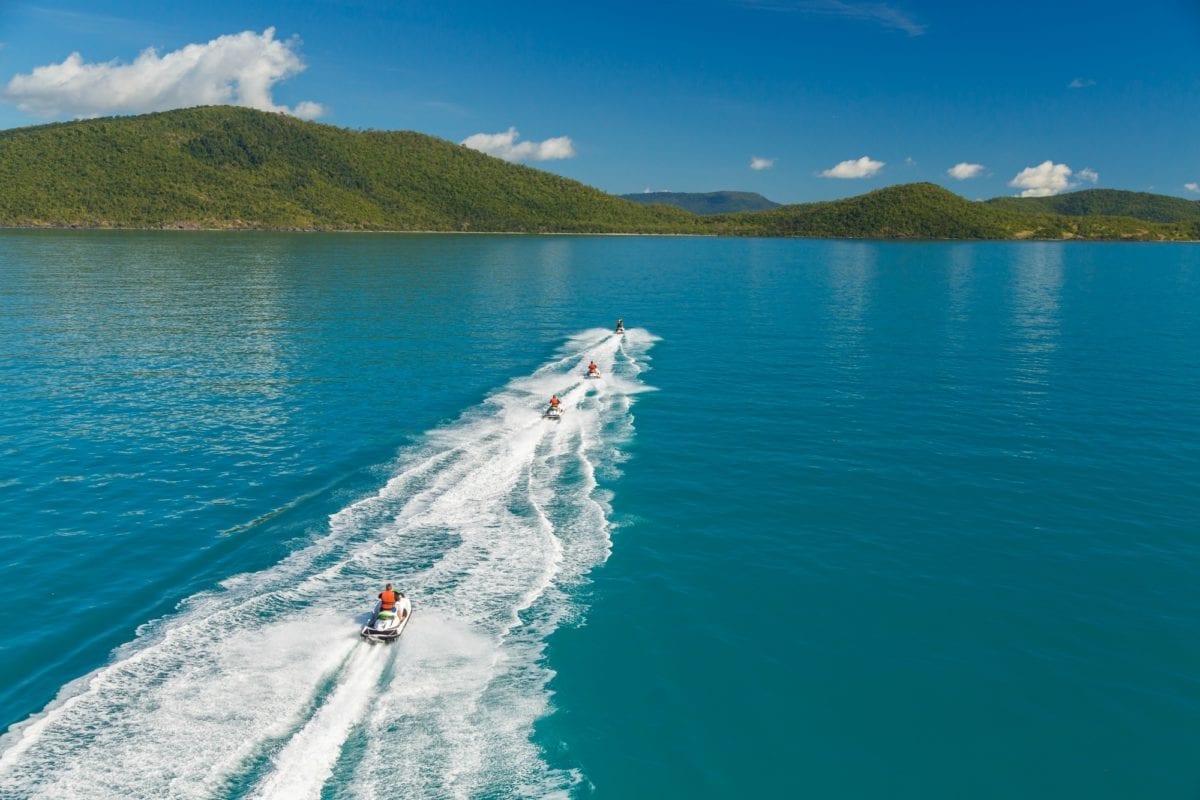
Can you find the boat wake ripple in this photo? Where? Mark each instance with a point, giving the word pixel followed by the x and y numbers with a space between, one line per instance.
pixel 263 690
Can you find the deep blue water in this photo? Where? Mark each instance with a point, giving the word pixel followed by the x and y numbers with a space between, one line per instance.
pixel 841 519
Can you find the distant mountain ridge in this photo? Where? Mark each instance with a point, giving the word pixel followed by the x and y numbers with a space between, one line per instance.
pixel 221 167
pixel 705 203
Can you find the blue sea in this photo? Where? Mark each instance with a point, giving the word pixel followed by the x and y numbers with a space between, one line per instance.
pixel 839 519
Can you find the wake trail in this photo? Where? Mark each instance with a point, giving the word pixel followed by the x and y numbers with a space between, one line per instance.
pixel 305 764
pixel 262 689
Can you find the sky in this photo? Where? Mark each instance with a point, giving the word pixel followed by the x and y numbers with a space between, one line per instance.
pixel 799 100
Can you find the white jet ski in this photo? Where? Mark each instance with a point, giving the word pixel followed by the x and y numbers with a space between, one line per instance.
pixel 553 412
pixel 595 374
pixel 386 626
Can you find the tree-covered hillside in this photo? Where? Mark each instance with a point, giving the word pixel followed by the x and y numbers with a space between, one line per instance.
pixel 917 210
pixel 927 211
pixel 224 167
pixel 1106 202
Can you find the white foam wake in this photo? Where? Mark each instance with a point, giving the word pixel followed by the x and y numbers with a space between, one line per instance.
pixel 263 690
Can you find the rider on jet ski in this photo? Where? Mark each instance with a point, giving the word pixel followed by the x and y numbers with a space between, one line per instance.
pixel 388 599
pixel 593 369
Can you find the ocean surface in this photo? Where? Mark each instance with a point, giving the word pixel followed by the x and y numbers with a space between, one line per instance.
pixel 839 519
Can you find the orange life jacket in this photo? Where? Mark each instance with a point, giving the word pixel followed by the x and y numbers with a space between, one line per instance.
pixel 387 600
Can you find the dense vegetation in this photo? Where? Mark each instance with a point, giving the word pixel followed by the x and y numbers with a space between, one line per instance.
pixel 1107 202
pixel 927 211
pixel 705 203
pixel 223 167
pixel 916 210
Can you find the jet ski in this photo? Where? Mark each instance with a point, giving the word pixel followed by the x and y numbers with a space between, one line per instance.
pixel 595 374
pixel 553 412
pixel 386 626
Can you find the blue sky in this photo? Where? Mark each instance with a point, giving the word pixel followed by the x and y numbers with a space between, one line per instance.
pixel 832 97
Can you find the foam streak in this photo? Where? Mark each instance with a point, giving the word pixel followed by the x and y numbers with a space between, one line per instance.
pixel 488 524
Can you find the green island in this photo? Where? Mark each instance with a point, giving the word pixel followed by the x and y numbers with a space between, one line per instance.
pixel 221 167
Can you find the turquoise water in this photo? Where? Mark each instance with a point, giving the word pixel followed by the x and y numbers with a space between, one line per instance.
pixel 841 519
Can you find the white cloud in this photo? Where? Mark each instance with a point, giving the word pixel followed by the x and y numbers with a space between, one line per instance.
pixel 237 69
pixel 963 170
pixel 861 168
pixel 1044 180
pixel 1088 174
pixel 1081 83
pixel 1192 186
pixel 757 163
pixel 505 146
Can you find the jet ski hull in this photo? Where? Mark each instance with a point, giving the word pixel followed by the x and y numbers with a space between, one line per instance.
pixel 383 627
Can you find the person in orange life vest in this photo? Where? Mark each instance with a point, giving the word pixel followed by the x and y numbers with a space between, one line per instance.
pixel 593 369
pixel 554 401
pixel 388 599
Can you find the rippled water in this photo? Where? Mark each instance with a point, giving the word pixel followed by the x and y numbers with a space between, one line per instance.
pixel 842 519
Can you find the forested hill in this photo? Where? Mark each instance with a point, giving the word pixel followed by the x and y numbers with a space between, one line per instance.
pixel 705 202
pixel 914 210
pixel 1108 202
pixel 927 211
pixel 226 167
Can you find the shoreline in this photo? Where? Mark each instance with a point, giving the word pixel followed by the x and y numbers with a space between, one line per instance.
pixel 181 228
